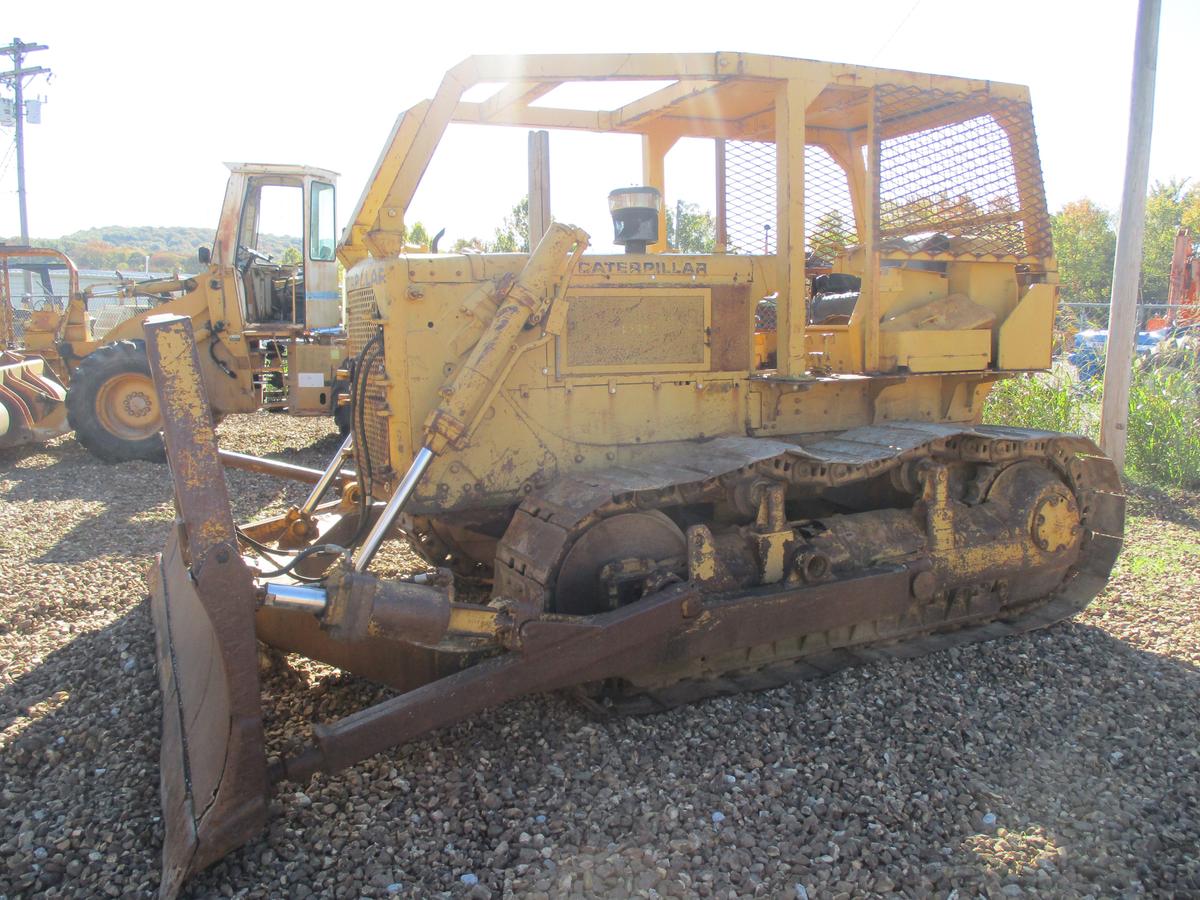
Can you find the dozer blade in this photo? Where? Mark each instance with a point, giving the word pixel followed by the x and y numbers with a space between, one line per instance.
pixel 213 769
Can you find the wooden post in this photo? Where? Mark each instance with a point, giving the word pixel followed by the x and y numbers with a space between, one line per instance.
pixel 539 186
pixel 1118 366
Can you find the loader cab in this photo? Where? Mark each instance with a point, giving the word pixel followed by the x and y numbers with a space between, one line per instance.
pixel 276 243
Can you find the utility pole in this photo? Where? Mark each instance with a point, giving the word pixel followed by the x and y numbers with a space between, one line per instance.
pixel 1118 365
pixel 16 79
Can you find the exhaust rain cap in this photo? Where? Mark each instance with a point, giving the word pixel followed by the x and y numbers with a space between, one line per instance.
pixel 635 212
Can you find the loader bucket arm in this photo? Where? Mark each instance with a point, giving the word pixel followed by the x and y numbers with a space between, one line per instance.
pixel 213 768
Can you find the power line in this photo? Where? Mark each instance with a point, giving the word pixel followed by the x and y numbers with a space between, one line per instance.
pixel 895 31
pixel 4 164
pixel 15 79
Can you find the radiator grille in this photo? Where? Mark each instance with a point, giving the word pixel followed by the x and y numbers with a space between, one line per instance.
pixel 362 318
pixel 362 324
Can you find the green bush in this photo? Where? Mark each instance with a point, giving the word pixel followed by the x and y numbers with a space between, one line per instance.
pixel 1163 445
pixel 1052 401
pixel 1164 427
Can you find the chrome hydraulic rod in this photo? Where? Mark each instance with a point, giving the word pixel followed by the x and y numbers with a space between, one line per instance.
pixel 330 473
pixel 299 597
pixel 395 503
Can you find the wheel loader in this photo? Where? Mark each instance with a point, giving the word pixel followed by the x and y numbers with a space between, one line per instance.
pixel 32 395
pixel 270 333
pixel 624 477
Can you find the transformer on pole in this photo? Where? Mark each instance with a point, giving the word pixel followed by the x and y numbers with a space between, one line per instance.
pixel 15 78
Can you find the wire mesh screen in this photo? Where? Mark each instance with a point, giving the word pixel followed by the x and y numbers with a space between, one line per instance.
pixel 750 196
pixel 829 226
pixel 959 173
pixel 106 318
pixel 750 201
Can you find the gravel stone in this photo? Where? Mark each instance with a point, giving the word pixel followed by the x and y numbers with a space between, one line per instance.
pixel 1079 739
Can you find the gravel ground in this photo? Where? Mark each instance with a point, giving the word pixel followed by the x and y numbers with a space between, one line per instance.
pixel 1063 763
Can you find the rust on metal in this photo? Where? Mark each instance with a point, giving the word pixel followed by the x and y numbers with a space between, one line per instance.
pixel 261 466
pixel 31 400
pixel 674 499
pixel 213 763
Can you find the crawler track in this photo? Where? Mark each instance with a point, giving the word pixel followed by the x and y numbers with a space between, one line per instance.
pixel 546 525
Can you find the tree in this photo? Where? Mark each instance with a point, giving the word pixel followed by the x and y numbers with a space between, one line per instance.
pixel 165 261
pixel 474 243
pixel 513 234
pixel 291 256
pixel 689 230
pixel 831 235
pixel 418 236
pixel 1168 205
pixel 1084 244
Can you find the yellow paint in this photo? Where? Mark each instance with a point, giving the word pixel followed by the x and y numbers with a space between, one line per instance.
pixel 186 402
pixel 702 555
pixel 473 620
pixel 656 329
pixel 211 296
pixel 772 553
pixel 626 359
pixel 1055 523
pixel 1027 335
pixel 936 351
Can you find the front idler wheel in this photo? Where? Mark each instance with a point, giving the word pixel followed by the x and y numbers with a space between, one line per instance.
pixel 616 562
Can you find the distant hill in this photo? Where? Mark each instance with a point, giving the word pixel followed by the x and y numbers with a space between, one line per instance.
pixel 127 246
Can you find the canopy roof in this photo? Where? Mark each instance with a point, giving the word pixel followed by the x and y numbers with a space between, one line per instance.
pixel 730 95
pixel 715 95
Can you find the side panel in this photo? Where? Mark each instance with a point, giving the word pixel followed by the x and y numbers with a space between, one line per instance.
pixel 311 372
pixel 665 361
pixel 1026 336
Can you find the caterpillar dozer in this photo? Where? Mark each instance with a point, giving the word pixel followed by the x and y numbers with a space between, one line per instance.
pixel 271 332
pixel 646 476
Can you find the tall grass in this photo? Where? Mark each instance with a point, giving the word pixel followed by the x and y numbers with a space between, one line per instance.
pixel 1164 427
pixel 1164 417
pixel 1052 401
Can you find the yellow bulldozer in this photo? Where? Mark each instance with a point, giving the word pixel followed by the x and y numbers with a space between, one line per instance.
pixel 270 331
pixel 677 474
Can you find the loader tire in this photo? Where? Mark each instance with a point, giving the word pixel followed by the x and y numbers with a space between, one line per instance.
pixel 112 404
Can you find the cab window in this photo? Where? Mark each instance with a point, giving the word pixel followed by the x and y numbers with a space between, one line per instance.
pixel 321 237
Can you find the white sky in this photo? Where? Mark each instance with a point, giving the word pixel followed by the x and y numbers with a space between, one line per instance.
pixel 148 99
